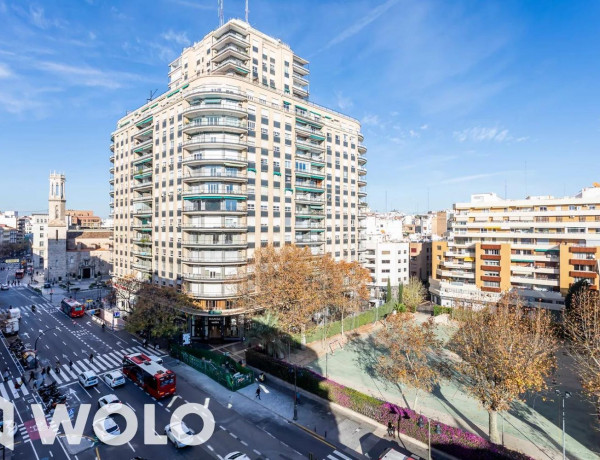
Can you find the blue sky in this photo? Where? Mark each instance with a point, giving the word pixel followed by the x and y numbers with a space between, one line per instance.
pixel 455 97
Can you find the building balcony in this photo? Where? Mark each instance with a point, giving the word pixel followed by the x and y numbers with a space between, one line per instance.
pixel 112 147
pixel 310 213
pixel 362 160
pixel 221 209
pixel 222 108
pixel 309 146
pixel 316 159
pixel 143 198
pixel 312 225
pixel 230 52
pixel 307 198
pixel 299 91
pixel 213 277
pixel 223 259
pixel 583 274
pixel 309 240
pixel 362 193
pixel 142 266
pixel 297 78
pixel 362 182
pixel 362 149
pixel 221 176
pixel 111 158
pixel 215 125
pixel 194 192
pixel 142 212
pixel 231 65
pixel 230 243
pixel 361 137
pixel 143 135
pixel 142 254
pixel 362 204
pixel 143 146
pixel 308 117
pixel 308 130
pixel 142 226
pixel 144 241
pixel 111 192
pixel 362 171
pixel 111 203
pixel 214 158
pixel 147 158
pixel 233 38
pixel 144 123
pixel 212 227
pixel 300 69
pixel 201 93
pixel 200 142
pixel 111 170
pixel 143 173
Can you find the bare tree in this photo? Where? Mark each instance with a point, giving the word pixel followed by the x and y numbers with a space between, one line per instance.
pixel 582 328
pixel 409 347
pixel 413 293
pixel 506 351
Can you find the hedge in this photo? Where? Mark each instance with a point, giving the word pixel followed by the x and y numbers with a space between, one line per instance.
pixel 452 440
pixel 439 310
pixel 350 323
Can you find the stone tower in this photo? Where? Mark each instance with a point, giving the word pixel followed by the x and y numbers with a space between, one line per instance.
pixel 56 262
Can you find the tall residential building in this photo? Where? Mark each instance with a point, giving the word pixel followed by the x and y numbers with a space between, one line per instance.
pixel 538 246
pixel 232 157
pixel 386 260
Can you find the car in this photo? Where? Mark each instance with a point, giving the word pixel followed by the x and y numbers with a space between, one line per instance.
pixel 114 379
pixel 47 286
pixel 4 287
pixel 109 425
pixel 185 434
pixel 236 456
pixel 108 399
pixel 88 379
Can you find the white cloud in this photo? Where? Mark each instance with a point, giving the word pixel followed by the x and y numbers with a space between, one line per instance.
pixel 177 38
pixel 88 76
pixel 38 18
pixel 5 72
pixel 472 177
pixel 424 127
pixel 343 102
pixel 413 133
pixel 92 35
pixel 480 134
pixel 372 120
pixel 361 24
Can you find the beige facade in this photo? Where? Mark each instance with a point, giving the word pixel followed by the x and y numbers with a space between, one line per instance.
pixel 232 157
pixel 538 246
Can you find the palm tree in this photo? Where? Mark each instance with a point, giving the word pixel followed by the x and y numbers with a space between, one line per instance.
pixel 266 333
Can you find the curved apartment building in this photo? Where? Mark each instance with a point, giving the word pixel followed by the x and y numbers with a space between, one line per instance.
pixel 232 157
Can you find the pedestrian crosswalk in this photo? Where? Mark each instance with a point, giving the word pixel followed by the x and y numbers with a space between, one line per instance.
pixel 102 363
pixel 337 455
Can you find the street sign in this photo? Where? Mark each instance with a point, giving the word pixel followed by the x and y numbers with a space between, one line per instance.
pixel 71 413
pixel 186 338
pixel 117 314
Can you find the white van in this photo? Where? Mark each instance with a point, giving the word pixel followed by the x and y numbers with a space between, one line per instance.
pixel 88 379
pixel 391 454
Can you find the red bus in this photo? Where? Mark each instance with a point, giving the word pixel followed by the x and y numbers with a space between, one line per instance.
pixel 72 308
pixel 151 376
pixel 19 274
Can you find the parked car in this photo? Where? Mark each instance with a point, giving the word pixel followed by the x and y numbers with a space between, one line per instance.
pixel 4 287
pixel 88 379
pixel 114 379
pixel 392 454
pixel 47 285
pixel 185 434
pixel 108 399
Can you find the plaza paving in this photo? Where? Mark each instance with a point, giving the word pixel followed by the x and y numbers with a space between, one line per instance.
pixel 532 427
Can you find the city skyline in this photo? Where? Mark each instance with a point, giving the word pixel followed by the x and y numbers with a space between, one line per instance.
pixel 479 107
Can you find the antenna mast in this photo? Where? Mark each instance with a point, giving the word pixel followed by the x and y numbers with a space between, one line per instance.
pixel 247 12
pixel 221 21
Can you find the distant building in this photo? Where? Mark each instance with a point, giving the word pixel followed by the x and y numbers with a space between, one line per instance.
pixel 83 219
pixel 386 260
pixel 538 246
pixel 10 219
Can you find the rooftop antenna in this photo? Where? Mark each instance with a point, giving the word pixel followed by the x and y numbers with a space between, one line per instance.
pixel 247 12
pixel 152 93
pixel 221 20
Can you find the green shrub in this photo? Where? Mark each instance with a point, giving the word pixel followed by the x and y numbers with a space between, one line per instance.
pixel 400 308
pixel 439 310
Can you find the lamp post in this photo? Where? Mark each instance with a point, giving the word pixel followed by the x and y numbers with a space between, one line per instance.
pixel 438 430
pixel 35 344
pixel 563 396
pixel 295 393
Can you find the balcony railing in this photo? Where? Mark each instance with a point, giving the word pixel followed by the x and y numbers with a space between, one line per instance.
pixel 211 259
pixel 309 198
pixel 221 209
pixel 214 226
pixel 207 90
pixel 214 174
pixel 213 242
pixel 213 276
pixel 309 240
pixel 215 123
pixel 226 156
pixel 222 106
pixel 221 189
pixel 199 140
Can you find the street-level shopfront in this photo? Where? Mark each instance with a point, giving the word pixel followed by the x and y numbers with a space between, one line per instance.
pixel 216 325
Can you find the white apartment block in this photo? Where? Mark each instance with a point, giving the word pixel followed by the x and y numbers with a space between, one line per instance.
pixel 538 246
pixel 39 246
pixel 232 157
pixel 386 260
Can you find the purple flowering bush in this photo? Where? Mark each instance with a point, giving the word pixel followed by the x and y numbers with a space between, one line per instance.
pixel 454 441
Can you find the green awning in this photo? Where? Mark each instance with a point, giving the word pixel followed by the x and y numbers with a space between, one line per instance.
pixel 185 86
pixel 315 113
pixel 235 198
pixel 145 160
pixel 143 110
pixel 232 164
pixel 203 197
pixel 124 124
pixel 329 118
pixel 173 93
pixel 520 260
pixel 241 70
pixel 153 105
pixel 312 190
pixel 277 173
pixel 319 138
pixel 316 230
pixel 252 169
pixel 149 119
pixel 289 189
pixel 300 107
pixel 286 103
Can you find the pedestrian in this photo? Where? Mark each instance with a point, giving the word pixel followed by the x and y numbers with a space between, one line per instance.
pixel 70 365
pixel 6 374
pixel 57 370
pixel 48 369
pixel 257 393
pixel 43 371
pixel 18 384
pixel 390 428
pixel 91 357
pixel 31 376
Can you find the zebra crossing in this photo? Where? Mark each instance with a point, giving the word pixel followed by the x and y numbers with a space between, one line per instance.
pixel 337 455
pixel 101 364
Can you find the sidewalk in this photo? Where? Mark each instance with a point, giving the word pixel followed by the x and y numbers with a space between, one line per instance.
pixel 353 433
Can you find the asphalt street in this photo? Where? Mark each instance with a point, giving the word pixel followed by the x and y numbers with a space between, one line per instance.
pixel 62 339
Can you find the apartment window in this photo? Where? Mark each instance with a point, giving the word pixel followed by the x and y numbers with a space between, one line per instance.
pixel 385 261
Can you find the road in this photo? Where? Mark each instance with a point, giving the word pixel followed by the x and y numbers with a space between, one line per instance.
pixel 63 339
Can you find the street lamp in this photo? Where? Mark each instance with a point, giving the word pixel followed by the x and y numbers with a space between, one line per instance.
pixel 295 393
pixel 437 429
pixel 36 341
pixel 565 395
